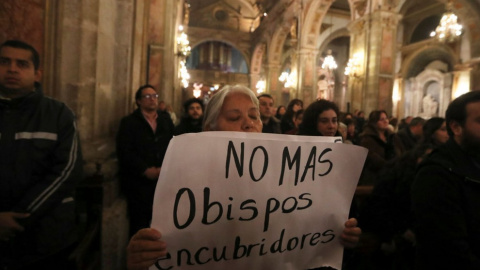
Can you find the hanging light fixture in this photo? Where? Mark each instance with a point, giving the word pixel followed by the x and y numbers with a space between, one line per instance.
pixel 184 75
pixel 283 77
pixel 261 85
pixel 329 62
pixel 288 79
pixel 449 29
pixel 183 43
pixel 353 66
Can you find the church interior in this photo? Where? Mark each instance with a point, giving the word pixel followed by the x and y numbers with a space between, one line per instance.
pixel 364 55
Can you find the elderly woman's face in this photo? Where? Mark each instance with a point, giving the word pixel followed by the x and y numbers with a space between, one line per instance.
pixel 239 113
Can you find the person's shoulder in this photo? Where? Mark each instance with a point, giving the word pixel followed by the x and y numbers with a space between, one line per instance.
pixel 131 118
pixel 368 134
pixel 54 105
pixel 440 159
pixel 275 120
pixel 135 114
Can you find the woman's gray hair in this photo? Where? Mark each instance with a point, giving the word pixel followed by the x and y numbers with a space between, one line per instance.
pixel 215 104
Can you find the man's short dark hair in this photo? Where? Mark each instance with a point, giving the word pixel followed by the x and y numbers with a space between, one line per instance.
pixel 265 95
pixel 22 45
pixel 138 94
pixel 190 101
pixel 457 110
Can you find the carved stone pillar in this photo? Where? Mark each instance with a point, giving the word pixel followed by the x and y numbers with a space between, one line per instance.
pixel 381 56
pixel 307 85
pixel 273 85
pixel 221 58
pixel 254 78
pixel 228 52
pixel 210 52
pixel 374 38
pixel 201 57
pixel 354 92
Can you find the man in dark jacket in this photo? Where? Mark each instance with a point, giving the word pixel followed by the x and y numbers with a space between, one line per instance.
pixel 142 141
pixel 40 166
pixel 446 193
pixel 192 121
pixel 270 123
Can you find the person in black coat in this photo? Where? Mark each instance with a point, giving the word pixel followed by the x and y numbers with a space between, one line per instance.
pixel 446 193
pixel 142 141
pixel 192 121
pixel 40 166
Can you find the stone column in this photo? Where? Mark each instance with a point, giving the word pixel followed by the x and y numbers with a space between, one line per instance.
pixel 211 49
pixel 273 85
pixel 201 50
pixel 228 52
pixel 381 56
pixel 374 37
pixel 307 86
pixel 254 78
pixel 354 91
pixel 221 57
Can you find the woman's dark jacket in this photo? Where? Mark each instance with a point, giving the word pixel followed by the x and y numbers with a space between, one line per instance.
pixel 379 153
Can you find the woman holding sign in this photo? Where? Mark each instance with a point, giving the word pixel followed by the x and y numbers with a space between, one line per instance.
pixel 233 108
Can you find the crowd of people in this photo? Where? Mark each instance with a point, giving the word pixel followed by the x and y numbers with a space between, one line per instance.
pixel 383 202
pixel 416 205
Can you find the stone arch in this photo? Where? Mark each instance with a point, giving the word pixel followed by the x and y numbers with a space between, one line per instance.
pixel 313 22
pixel 418 60
pixel 257 61
pixel 276 44
pixel 342 32
pixel 257 58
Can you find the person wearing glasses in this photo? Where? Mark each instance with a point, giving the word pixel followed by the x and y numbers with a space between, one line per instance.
pixel 142 141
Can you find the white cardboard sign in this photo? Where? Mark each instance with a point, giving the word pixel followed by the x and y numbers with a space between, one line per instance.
pixel 231 200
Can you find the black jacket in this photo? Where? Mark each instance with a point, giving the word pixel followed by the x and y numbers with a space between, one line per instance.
pixel 139 148
pixel 40 166
pixel 273 126
pixel 380 153
pixel 188 125
pixel 446 204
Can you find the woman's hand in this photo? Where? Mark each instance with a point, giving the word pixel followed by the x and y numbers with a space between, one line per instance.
pixel 144 248
pixel 351 234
